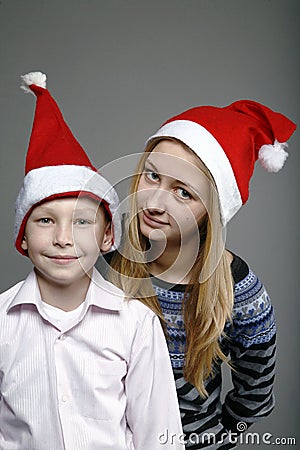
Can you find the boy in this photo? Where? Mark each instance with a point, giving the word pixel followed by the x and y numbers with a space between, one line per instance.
pixel 80 367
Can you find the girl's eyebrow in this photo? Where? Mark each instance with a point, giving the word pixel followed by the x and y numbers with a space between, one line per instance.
pixel 185 183
pixel 151 164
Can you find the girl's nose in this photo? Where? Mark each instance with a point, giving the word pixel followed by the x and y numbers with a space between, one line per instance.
pixel 157 200
pixel 63 235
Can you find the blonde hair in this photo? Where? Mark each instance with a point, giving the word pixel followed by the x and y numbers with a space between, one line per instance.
pixel 209 295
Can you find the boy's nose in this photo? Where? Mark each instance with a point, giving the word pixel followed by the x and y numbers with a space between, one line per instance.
pixel 63 236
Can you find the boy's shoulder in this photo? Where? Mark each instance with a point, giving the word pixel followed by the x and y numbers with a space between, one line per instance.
pixel 136 306
pixel 133 307
pixel 130 306
pixel 7 296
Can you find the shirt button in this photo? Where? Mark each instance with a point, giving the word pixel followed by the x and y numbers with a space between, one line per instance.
pixel 64 399
pixel 62 337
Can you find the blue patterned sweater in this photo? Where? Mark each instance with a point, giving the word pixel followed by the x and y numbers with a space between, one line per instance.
pixel 250 343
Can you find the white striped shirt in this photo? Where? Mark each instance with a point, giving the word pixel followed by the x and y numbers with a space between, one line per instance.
pixel 104 381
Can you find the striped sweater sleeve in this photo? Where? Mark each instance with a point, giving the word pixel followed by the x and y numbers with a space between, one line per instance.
pixel 251 344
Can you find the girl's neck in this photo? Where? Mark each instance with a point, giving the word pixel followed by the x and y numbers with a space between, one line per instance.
pixel 174 264
pixel 65 297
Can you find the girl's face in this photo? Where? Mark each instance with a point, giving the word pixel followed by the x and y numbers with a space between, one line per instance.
pixel 172 193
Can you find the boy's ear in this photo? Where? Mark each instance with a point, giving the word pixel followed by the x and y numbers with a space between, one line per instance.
pixel 24 244
pixel 107 238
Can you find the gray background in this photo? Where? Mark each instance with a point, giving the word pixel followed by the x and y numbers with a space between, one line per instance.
pixel 118 70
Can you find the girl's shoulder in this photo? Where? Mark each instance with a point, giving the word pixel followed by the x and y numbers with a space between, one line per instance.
pixel 253 315
pixel 248 288
pixel 239 268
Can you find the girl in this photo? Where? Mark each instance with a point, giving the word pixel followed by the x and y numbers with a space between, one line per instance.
pixel 192 178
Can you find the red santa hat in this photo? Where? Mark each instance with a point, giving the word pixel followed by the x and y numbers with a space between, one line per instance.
pixel 229 140
pixel 56 164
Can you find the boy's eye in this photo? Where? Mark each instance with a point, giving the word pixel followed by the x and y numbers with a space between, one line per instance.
pixel 152 176
pixel 183 193
pixel 45 220
pixel 82 222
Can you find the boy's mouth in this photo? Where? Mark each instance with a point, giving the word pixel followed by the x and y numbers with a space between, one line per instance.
pixel 63 259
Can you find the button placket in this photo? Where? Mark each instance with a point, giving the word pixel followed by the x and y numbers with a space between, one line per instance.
pixel 63 394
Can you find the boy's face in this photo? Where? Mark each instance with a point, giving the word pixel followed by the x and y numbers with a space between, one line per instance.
pixel 63 238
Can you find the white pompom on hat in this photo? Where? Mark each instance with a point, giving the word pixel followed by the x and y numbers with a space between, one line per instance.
pixel 229 140
pixel 57 165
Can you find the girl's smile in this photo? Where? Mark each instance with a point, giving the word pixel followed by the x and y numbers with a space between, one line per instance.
pixel 151 219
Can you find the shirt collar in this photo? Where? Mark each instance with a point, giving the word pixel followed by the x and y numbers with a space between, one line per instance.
pixel 28 293
pixel 101 293
pixel 104 294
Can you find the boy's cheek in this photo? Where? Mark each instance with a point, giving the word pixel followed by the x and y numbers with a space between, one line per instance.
pixel 84 237
pixel 86 244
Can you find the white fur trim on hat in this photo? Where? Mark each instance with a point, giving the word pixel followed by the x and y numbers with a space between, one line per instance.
pixel 213 156
pixel 44 182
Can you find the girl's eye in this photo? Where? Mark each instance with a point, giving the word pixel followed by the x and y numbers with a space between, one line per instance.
pixel 152 176
pixel 183 193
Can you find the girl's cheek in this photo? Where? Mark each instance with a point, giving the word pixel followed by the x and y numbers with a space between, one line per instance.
pixel 141 196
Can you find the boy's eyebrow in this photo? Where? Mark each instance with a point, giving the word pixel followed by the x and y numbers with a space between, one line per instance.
pixel 44 208
pixel 52 209
pixel 84 210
